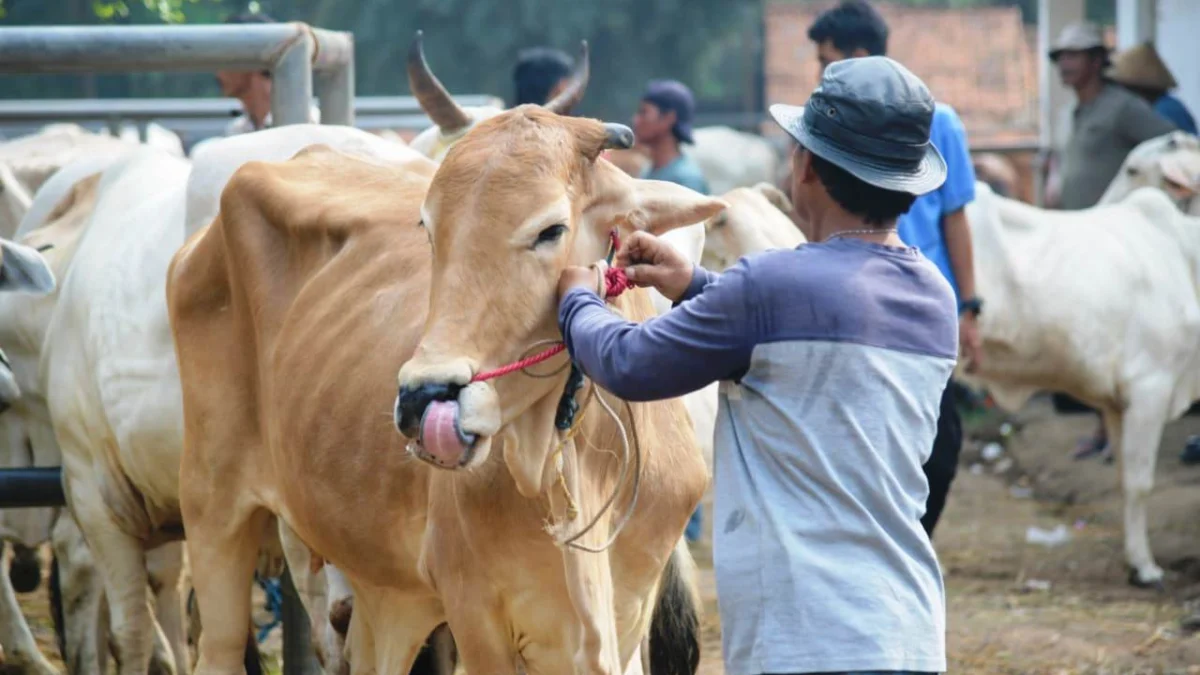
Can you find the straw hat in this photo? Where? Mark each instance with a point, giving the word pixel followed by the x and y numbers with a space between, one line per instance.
pixel 1077 37
pixel 1141 66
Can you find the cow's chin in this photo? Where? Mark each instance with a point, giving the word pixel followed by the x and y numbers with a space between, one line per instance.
pixel 458 434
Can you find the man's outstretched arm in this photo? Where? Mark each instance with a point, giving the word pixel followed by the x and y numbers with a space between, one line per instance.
pixel 703 339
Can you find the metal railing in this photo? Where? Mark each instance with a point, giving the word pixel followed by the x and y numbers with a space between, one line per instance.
pixel 292 52
pixel 195 119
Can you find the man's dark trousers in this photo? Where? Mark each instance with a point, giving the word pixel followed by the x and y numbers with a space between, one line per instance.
pixel 943 462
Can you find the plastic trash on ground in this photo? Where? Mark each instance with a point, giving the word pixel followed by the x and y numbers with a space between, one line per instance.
pixel 1043 537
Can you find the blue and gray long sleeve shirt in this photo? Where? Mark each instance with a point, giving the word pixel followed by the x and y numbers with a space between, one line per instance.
pixel 832 360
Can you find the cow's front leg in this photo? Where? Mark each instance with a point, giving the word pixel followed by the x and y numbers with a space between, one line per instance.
pixel 77 597
pixel 1140 431
pixel 165 567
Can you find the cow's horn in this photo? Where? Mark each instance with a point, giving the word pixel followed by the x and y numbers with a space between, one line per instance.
pixel 430 93
pixel 573 94
pixel 618 137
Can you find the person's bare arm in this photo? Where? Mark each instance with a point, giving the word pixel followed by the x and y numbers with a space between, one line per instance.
pixel 957 232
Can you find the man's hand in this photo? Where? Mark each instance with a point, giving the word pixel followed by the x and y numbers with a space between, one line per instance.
pixel 650 262
pixel 968 337
pixel 578 277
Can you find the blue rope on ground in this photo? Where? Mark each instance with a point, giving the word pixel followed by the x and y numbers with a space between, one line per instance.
pixel 271 589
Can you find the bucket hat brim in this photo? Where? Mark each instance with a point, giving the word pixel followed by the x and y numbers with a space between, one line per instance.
pixel 926 176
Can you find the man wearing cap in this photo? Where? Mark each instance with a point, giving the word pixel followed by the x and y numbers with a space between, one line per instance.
pixel 832 358
pixel 1140 70
pixel 540 74
pixel 936 224
pixel 1105 124
pixel 664 121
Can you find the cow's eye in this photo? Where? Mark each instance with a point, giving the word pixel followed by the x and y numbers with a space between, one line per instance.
pixel 550 235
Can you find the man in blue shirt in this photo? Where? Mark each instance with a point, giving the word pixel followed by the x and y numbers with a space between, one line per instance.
pixel 936 224
pixel 832 358
pixel 664 121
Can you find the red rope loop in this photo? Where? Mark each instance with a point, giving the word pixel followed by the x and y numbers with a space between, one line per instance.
pixel 615 283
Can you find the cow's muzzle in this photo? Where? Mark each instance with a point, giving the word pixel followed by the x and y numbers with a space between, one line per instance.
pixel 430 415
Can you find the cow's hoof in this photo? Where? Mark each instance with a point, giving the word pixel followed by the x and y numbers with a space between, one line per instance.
pixel 26 570
pixel 1135 580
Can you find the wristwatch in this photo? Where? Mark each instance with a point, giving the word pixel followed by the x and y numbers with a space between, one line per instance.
pixel 973 305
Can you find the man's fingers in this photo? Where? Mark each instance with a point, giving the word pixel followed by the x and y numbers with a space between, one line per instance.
pixel 644 276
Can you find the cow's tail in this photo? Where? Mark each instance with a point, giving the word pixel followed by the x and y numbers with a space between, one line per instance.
pixel 675 624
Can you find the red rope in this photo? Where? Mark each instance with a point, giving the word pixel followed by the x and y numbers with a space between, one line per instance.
pixel 615 283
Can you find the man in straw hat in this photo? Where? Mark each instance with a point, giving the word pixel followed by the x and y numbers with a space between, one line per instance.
pixel 832 359
pixel 1140 70
pixel 1107 121
pixel 1105 124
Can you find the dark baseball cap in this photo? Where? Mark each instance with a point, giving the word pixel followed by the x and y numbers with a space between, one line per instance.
pixel 871 117
pixel 674 96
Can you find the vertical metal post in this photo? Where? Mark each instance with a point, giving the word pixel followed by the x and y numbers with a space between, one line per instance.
pixel 298 656
pixel 335 83
pixel 335 88
pixel 291 86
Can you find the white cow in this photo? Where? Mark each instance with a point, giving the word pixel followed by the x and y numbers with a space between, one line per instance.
pixel 1170 162
pixel 730 159
pixel 31 442
pixel 22 270
pixel 1076 304
pixel 757 220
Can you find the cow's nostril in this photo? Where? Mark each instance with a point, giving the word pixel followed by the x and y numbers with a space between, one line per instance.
pixel 411 403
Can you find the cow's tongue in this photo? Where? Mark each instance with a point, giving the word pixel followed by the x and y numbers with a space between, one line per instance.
pixel 440 435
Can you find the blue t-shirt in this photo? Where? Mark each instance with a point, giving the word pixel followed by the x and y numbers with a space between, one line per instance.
pixel 1176 112
pixel 922 225
pixel 683 171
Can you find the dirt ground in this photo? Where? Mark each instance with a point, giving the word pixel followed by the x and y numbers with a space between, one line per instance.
pixel 1015 608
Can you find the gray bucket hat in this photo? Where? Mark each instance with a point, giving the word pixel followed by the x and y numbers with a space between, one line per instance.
pixel 1080 36
pixel 871 117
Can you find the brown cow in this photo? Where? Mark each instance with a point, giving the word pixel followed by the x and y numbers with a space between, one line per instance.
pixel 313 284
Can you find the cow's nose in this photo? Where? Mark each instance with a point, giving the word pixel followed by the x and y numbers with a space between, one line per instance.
pixel 412 401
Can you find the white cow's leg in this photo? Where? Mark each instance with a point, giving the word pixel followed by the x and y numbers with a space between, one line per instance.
pixel 20 650
pixel 122 564
pixel 319 593
pixel 1140 431
pixel 80 596
pixel 165 567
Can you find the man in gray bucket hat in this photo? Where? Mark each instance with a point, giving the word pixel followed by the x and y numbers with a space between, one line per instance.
pixel 831 358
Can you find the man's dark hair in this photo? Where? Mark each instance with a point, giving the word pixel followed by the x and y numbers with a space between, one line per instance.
pixel 249 17
pixel 538 70
pixel 876 205
pixel 851 25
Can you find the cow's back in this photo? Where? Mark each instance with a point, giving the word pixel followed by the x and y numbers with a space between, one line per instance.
pixel 108 359
pixel 310 289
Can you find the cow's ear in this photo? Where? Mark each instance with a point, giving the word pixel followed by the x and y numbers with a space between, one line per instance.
pixel 23 269
pixel 654 206
pixel 1182 170
pixel 775 196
